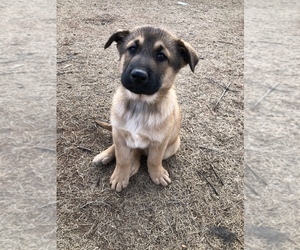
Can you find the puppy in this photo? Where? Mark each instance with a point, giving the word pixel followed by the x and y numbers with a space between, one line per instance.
pixel 145 115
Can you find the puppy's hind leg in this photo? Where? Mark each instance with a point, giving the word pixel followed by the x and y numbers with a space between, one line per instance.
pixel 105 157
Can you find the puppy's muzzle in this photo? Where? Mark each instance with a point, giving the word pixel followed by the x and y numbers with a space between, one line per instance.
pixel 139 76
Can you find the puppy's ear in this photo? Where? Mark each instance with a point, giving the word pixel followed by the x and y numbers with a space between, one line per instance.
pixel 187 54
pixel 117 37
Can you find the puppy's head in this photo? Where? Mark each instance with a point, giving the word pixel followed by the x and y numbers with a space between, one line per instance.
pixel 150 58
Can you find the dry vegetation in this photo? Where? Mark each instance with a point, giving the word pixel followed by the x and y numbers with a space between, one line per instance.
pixel 203 207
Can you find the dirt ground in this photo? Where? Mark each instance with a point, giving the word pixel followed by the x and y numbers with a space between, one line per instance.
pixel 27 125
pixel 272 101
pixel 203 207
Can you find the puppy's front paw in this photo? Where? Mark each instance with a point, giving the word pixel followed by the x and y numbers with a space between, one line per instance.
pixel 119 180
pixel 160 176
pixel 101 159
pixel 105 157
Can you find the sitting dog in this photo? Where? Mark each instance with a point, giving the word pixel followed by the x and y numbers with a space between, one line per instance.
pixel 145 115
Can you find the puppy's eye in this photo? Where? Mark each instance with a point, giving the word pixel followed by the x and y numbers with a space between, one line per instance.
pixel 132 49
pixel 161 57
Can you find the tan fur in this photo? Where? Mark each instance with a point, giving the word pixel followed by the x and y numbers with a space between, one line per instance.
pixel 144 124
pixel 139 38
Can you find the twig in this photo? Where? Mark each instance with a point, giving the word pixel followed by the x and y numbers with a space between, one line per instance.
pixel 209 183
pixel 67 66
pixel 84 148
pixel 104 125
pixel 62 61
pixel 252 189
pixel 224 87
pixel 225 90
pixel 97 203
pixel 211 149
pixel 66 72
pixel 219 178
pixel 264 95
pixel 256 175
pixel 219 41
pixel 98 182
pixel 45 148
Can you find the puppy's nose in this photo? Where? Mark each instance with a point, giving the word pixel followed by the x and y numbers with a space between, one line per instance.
pixel 139 76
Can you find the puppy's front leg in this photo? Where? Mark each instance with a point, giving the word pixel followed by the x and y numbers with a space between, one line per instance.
pixel 127 163
pixel 120 177
pixel 155 156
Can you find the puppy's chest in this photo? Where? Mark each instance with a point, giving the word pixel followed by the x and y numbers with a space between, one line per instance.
pixel 140 125
pixel 134 140
pixel 137 133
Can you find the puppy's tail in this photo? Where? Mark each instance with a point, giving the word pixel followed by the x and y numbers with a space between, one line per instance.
pixel 104 125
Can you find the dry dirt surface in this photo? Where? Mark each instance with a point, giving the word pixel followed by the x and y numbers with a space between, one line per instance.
pixel 27 125
pixel 203 207
pixel 272 125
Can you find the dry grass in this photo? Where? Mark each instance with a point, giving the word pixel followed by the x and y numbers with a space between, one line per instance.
pixel 203 207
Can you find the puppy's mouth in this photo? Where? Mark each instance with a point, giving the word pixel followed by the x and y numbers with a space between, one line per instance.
pixel 140 82
pixel 140 90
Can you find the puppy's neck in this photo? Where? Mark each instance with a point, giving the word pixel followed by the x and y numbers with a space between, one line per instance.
pixel 150 100
pixel 134 112
pixel 130 104
pixel 137 107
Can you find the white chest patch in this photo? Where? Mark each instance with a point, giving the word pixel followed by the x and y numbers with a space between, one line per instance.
pixel 137 141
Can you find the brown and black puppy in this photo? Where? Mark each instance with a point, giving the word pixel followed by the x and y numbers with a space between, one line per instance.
pixel 145 115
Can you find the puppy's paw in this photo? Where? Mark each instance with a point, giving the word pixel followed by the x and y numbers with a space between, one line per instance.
pixel 160 176
pixel 119 180
pixel 101 159
pixel 105 157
